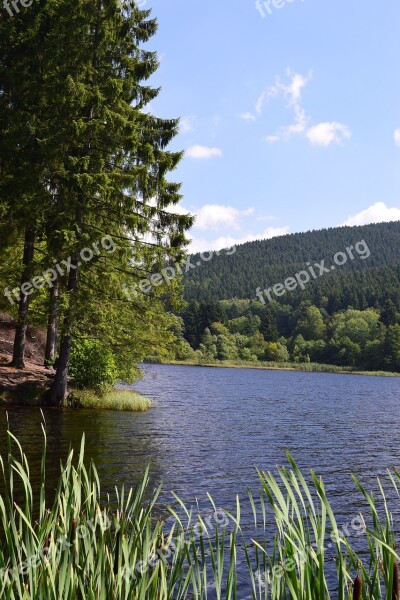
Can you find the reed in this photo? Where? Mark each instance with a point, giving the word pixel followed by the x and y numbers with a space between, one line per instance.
pixel 115 399
pixel 81 543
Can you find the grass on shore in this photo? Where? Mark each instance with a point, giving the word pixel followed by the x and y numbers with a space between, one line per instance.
pixel 277 366
pixel 77 544
pixel 123 400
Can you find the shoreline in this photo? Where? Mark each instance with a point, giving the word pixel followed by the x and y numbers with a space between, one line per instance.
pixel 28 388
pixel 300 368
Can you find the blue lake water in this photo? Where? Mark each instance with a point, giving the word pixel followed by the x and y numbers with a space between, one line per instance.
pixel 210 428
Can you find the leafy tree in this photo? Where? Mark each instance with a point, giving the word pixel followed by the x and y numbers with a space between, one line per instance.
pixel 208 345
pixel 276 352
pixel 344 352
pixel 308 350
pixel 226 348
pixel 257 345
pixel 245 325
pixel 358 326
pixel 311 324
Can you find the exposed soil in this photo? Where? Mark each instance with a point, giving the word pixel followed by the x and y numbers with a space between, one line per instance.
pixel 26 384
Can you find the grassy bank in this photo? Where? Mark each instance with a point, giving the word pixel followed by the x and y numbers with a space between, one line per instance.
pixel 29 387
pixel 77 544
pixel 275 366
pixel 113 400
pixel 120 400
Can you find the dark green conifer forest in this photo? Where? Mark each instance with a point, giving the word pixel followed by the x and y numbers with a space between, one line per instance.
pixel 349 316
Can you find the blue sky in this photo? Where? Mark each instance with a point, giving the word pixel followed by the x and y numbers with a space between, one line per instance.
pixel 290 113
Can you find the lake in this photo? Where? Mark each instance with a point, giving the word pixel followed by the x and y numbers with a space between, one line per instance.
pixel 210 428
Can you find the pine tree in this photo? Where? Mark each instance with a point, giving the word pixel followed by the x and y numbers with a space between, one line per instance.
pixel 22 191
pixel 82 159
pixel 113 153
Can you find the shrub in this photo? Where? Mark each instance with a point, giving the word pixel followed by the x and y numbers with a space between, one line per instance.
pixel 92 366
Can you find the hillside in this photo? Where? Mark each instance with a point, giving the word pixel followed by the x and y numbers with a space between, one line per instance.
pixel 369 279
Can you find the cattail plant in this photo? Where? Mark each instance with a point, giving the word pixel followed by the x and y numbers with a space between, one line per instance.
pixel 85 544
pixel 357 588
pixel 395 594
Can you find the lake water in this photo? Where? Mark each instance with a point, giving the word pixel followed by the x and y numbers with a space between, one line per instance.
pixel 210 428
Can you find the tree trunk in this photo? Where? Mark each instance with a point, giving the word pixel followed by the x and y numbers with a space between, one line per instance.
pixel 52 325
pixel 58 390
pixel 23 308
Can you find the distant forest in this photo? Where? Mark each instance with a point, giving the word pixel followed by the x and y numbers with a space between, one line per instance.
pixel 349 317
pixel 359 283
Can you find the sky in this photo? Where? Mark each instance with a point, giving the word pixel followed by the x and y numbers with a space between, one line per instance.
pixel 290 113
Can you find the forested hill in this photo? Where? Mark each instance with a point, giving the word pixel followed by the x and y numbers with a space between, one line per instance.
pixel 360 283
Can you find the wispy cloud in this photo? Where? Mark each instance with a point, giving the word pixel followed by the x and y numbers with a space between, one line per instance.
pixel 397 137
pixel 186 124
pixel 203 152
pixel 247 116
pixel 292 90
pixel 321 134
pixel 377 213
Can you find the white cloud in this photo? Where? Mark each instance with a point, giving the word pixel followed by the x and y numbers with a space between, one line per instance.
pixel 321 134
pixel 203 152
pixel 377 213
pixel 200 245
pixel 247 116
pixel 215 216
pixel 328 133
pixel 397 137
pixel 186 124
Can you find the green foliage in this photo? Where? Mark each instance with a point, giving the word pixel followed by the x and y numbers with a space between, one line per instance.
pixel 311 324
pixel 78 544
pixel 307 350
pixel 86 161
pixel 276 352
pixel 92 365
pixel 302 335
pixel 392 347
pixel 358 326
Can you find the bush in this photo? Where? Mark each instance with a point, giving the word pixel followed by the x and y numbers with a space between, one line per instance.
pixel 92 366
pixel 274 351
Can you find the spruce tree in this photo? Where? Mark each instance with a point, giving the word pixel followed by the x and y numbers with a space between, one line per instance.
pixel 112 151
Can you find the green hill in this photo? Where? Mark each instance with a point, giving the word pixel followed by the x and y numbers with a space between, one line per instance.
pixel 367 280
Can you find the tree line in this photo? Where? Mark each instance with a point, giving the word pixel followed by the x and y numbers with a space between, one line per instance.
pixel 83 161
pixel 247 330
